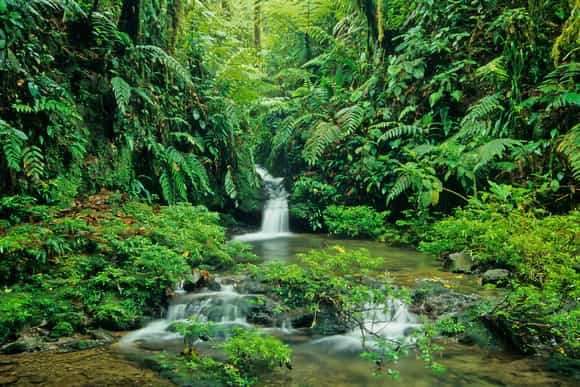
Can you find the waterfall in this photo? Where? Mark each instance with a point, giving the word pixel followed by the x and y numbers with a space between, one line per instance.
pixel 275 218
pixel 225 306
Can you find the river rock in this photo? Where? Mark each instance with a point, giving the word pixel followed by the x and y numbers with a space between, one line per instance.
pixel 461 262
pixel 433 299
pixel 200 279
pixel 249 286
pixel 25 344
pixel 498 277
pixel 262 313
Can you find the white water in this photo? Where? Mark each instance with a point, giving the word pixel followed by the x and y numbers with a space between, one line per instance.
pixel 275 219
pixel 225 306
pixel 392 321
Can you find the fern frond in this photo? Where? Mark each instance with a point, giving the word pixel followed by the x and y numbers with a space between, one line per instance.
pixel 350 118
pixel 283 135
pixel 495 69
pixel 478 121
pixel 403 183
pixel 157 54
pixel 402 130
pixel 230 186
pixel 569 146
pixel 33 162
pixel 122 92
pixel 167 188
pixel 494 148
pixel 12 141
pixel 197 174
pixel 324 134
pixel 564 99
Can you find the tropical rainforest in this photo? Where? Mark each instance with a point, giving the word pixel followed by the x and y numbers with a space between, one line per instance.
pixel 130 132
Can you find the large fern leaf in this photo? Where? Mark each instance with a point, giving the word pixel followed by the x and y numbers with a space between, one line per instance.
pixel 122 92
pixel 324 134
pixel 350 118
pixel 494 148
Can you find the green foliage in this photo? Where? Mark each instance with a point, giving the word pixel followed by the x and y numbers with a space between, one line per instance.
pixel 540 249
pixel 249 350
pixel 356 222
pixel 309 198
pixel 108 266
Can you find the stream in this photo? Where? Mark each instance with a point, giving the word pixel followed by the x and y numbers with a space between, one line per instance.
pixel 334 360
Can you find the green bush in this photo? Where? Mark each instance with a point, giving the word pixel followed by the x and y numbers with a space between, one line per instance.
pixel 62 329
pixel 14 313
pixel 356 222
pixel 109 267
pixel 251 350
pixel 309 199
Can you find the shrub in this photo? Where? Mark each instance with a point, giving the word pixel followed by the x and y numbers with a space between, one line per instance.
pixel 249 350
pixel 14 313
pixel 355 222
pixel 309 199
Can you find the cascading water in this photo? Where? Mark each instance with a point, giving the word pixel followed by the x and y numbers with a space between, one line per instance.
pixel 391 321
pixel 275 217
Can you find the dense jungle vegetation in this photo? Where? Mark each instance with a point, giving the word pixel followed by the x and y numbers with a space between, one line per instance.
pixel 130 131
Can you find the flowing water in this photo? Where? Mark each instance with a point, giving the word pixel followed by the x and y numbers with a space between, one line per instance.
pixel 335 360
pixel 275 223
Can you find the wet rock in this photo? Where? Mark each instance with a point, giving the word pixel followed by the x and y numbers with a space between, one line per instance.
pixel 36 379
pixel 433 299
pixel 328 323
pixel 477 333
pixel 25 344
pixel 461 262
pixel 522 341
pixel 300 318
pixel 498 277
pixel 102 335
pixel 200 279
pixel 249 286
pixel 261 312
pixel 564 365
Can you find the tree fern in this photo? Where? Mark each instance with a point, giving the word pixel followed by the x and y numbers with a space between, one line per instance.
pixel 324 134
pixel 122 92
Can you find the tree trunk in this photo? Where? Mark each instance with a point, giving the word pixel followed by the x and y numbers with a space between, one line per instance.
pixel 258 24
pixel 129 21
